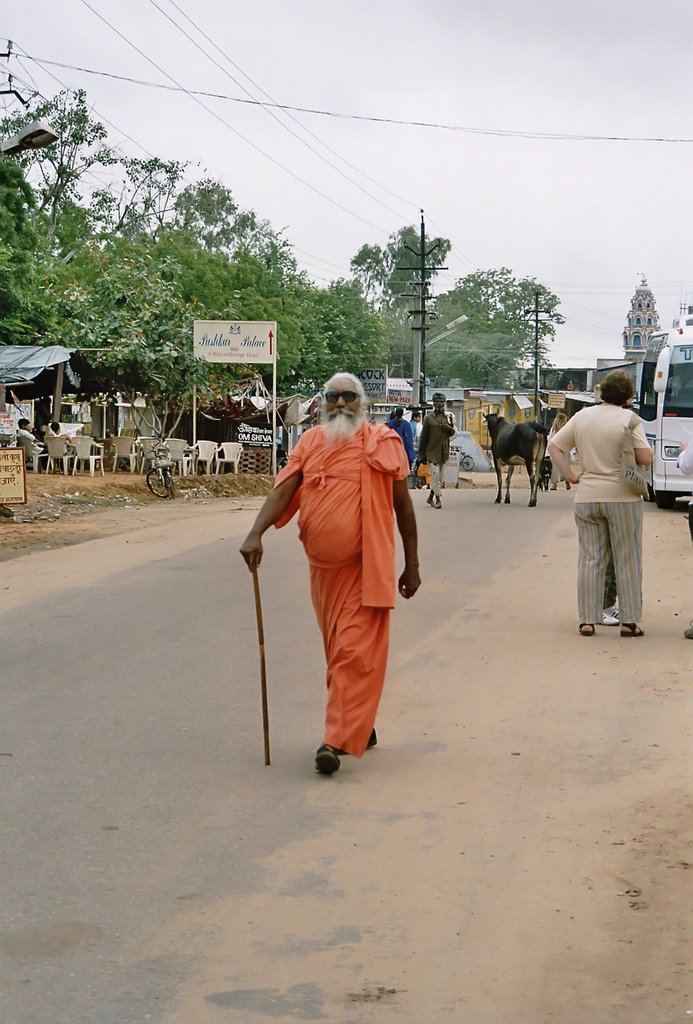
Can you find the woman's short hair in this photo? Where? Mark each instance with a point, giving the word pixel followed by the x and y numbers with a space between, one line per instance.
pixel 617 387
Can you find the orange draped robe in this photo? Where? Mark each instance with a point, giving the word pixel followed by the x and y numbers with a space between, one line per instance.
pixel 346 525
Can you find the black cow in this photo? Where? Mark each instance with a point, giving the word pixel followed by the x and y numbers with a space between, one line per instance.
pixel 516 445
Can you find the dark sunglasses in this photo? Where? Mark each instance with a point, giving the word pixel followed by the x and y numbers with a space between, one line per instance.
pixel 334 396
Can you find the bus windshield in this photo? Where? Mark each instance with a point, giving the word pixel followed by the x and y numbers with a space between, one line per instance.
pixel 678 399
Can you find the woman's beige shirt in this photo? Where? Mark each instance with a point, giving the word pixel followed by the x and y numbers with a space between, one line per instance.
pixel 597 433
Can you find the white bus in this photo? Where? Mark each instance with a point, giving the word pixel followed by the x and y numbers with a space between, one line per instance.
pixel 666 406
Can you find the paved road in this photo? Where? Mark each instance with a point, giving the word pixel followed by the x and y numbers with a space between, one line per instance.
pixel 500 856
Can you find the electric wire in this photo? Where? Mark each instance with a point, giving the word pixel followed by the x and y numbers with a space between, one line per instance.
pixel 268 109
pixel 465 129
pixel 221 120
pixel 113 189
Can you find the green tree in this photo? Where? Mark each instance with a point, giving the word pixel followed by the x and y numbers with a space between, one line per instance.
pixel 496 343
pixel 144 204
pixel 125 307
pixel 58 170
pixel 388 278
pixel 340 332
pixel 24 310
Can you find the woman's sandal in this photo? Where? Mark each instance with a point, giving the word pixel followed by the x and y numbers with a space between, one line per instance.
pixel 586 629
pixel 630 629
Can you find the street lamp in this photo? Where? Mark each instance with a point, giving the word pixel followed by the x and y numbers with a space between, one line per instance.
pixel 36 135
pixel 448 329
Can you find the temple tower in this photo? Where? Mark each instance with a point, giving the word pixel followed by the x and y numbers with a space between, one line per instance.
pixel 642 321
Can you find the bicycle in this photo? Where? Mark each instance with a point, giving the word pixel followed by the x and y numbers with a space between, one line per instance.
pixel 160 475
pixel 466 463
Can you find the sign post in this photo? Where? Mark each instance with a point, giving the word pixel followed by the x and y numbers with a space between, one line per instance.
pixel 241 341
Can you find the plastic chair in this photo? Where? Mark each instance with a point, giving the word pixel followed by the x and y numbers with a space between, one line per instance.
pixel 87 450
pixel 229 453
pixel 32 453
pixel 124 448
pixel 145 451
pixel 181 454
pixel 206 451
pixel 57 448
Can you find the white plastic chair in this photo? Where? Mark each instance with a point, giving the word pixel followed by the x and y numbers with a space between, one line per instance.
pixel 58 452
pixel 87 450
pixel 181 454
pixel 32 453
pixel 229 454
pixel 206 451
pixel 145 451
pixel 124 448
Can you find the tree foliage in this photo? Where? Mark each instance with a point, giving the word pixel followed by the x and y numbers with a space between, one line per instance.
pixel 118 255
pixel 497 341
pixel 387 276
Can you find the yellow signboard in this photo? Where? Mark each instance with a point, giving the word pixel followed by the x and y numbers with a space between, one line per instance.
pixel 12 477
pixel 556 400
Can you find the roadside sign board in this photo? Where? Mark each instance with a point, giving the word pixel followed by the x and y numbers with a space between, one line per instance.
pixel 254 437
pixel 12 477
pixel 235 341
pixel 556 400
pixel 374 384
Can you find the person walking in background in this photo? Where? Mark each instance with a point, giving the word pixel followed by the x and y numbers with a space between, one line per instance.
pixel 434 445
pixel 685 464
pixel 347 480
pixel 559 422
pixel 403 429
pixel 608 515
pixel 416 428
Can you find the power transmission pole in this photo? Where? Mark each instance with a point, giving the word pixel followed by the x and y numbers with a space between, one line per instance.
pixel 535 314
pixel 420 325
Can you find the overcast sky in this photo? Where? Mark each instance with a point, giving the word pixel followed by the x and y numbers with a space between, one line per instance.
pixel 585 218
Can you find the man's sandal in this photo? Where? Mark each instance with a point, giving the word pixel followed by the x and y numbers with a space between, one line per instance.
pixel 586 629
pixel 631 629
pixel 326 760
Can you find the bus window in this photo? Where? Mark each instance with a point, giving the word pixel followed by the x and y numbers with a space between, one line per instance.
pixel 648 398
pixel 678 398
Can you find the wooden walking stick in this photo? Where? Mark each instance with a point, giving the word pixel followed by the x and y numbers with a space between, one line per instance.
pixel 263 673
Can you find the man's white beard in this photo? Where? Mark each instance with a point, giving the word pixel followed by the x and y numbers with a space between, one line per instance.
pixel 340 425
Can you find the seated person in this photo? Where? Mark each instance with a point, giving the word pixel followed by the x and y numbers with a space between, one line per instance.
pixel 27 441
pixel 53 430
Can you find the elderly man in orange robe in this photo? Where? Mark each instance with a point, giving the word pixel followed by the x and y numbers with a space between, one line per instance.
pixel 347 480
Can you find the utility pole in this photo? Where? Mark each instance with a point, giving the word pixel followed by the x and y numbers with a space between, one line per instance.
pixel 535 314
pixel 420 324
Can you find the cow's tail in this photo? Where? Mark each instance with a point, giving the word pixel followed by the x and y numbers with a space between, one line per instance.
pixel 539 427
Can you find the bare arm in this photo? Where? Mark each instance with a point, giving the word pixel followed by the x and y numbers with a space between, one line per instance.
pixel 644 456
pixel 410 581
pixel 562 463
pixel 275 504
pixel 686 459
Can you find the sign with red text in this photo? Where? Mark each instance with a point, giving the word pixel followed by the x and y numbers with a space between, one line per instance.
pixel 235 341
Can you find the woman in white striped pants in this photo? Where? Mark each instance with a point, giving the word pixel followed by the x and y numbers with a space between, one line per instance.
pixel 608 515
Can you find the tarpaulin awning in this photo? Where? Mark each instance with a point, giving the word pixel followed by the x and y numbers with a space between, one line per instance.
pixel 20 364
